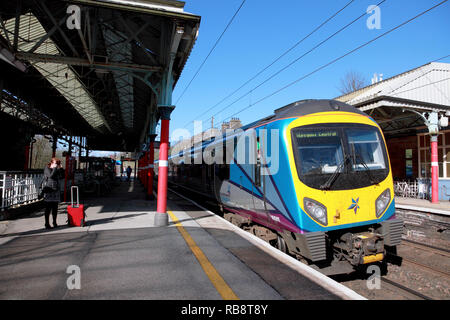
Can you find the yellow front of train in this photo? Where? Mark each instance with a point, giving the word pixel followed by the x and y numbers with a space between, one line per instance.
pixel 343 181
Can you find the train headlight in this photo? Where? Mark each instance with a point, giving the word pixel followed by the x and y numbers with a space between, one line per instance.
pixel 316 210
pixel 382 202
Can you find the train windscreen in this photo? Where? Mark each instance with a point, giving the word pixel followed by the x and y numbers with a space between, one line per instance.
pixel 351 155
pixel 366 149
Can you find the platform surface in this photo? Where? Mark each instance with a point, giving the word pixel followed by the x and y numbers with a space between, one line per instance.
pixel 121 255
pixel 442 207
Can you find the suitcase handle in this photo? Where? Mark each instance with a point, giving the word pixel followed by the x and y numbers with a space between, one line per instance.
pixel 71 196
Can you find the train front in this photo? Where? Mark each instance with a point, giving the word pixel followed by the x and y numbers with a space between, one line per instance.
pixel 344 188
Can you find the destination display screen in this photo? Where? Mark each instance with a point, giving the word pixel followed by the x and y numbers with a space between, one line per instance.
pixel 311 135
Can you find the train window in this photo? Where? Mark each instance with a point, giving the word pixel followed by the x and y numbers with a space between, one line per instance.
pixel 366 149
pixel 409 163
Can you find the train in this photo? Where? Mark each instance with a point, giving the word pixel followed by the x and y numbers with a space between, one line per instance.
pixel 313 179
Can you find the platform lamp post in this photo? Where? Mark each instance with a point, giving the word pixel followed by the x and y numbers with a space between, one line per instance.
pixel 433 123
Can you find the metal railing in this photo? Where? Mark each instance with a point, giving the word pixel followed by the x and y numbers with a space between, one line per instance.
pixel 19 187
pixel 418 189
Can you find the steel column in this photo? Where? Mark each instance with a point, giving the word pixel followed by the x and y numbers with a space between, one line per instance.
pixel 434 170
pixel 163 167
pixel 161 218
pixel 66 176
pixel 54 144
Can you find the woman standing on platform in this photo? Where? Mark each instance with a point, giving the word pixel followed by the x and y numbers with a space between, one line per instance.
pixel 51 190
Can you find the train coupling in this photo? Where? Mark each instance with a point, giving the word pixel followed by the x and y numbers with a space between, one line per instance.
pixel 362 248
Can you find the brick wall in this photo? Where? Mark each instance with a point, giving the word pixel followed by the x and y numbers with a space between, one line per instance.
pixel 397 154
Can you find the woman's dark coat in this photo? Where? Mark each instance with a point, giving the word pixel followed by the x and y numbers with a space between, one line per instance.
pixel 53 174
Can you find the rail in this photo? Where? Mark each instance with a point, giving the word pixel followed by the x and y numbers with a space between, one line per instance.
pixel 19 187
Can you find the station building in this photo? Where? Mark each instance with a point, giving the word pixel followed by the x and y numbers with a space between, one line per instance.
pixel 398 104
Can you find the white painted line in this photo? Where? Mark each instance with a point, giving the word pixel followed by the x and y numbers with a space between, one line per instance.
pixel 313 275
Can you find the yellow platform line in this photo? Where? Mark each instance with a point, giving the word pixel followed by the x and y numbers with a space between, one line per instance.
pixel 216 279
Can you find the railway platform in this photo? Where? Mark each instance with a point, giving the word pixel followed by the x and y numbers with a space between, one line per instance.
pixel 442 207
pixel 119 254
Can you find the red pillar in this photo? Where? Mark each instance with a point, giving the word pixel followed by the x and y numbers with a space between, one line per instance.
pixel 66 176
pixel 163 167
pixel 139 169
pixel 434 170
pixel 151 160
pixel 161 217
pixel 144 172
pixel 27 157
pixel 141 165
pixel 141 177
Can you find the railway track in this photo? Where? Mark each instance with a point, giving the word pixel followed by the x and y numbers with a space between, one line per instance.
pixel 425 267
pixel 410 293
pixel 441 251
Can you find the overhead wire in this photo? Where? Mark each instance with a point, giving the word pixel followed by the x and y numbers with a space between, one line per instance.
pixel 442 58
pixel 276 60
pixel 297 59
pixel 339 58
pixel 212 49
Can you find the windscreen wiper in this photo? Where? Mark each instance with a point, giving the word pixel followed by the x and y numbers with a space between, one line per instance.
pixel 356 155
pixel 329 182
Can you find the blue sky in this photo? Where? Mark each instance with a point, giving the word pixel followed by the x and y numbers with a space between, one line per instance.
pixel 264 29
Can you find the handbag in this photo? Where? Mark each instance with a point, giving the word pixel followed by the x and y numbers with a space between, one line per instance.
pixel 48 185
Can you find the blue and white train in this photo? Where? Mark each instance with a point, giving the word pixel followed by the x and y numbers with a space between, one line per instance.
pixel 314 179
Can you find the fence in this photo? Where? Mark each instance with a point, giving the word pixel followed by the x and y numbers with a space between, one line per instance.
pixel 19 187
pixel 418 189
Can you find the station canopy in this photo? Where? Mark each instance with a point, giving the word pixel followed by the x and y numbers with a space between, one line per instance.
pixel 92 68
pixel 394 103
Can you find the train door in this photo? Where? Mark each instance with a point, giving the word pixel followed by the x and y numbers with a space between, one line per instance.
pixel 219 170
pixel 259 192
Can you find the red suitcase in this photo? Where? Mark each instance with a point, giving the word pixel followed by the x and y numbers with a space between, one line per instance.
pixel 75 213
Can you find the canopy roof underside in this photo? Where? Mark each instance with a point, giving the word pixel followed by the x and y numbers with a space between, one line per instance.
pixel 95 72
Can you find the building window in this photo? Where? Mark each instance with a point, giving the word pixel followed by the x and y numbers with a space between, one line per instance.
pixel 409 163
pixel 425 155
